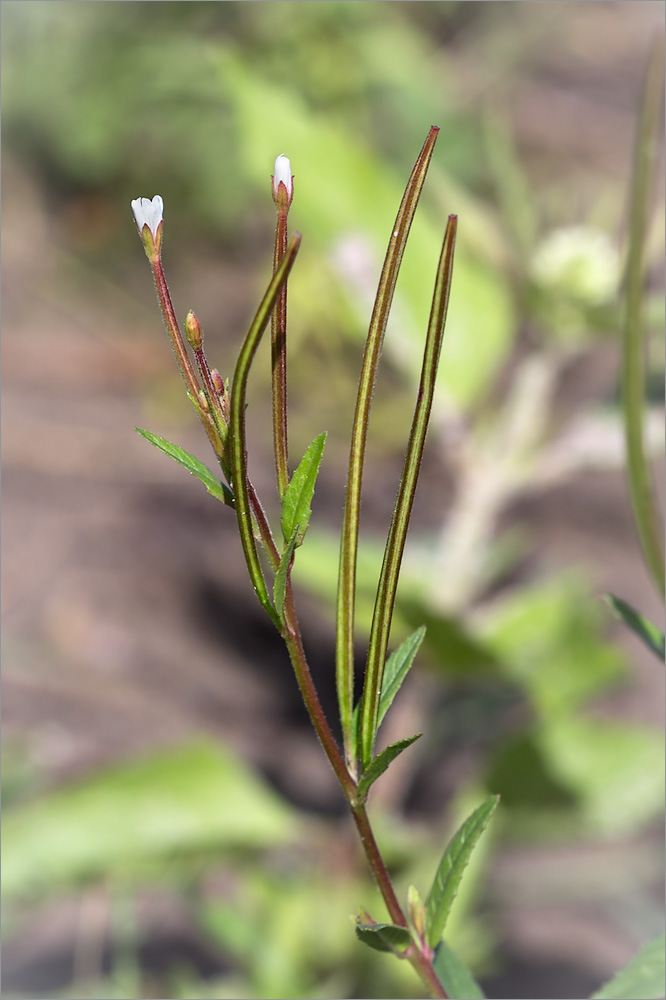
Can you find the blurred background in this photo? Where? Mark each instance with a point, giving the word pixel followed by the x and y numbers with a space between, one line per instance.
pixel 171 827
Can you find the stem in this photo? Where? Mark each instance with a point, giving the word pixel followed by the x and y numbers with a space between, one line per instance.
pixel 344 650
pixel 237 429
pixel 184 364
pixel 279 361
pixel 171 323
pixel 292 637
pixel 423 965
pixel 377 866
pixel 633 363
pixel 395 543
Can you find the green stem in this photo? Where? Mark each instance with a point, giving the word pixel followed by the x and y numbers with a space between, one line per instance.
pixel 633 346
pixel 237 428
pixel 279 361
pixel 350 522
pixel 395 543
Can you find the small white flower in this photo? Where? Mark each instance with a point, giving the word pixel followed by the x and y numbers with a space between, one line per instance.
pixel 282 173
pixel 148 213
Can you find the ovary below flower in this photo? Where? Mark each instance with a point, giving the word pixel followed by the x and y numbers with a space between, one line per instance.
pixel 149 214
pixel 282 177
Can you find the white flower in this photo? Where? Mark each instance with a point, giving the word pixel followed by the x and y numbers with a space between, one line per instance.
pixel 148 213
pixel 282 175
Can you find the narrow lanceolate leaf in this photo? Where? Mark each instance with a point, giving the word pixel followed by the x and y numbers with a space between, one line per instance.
pixel 384 937
pixel 454 975
pixel 396 669
pixel 282 575
pixel 344 643
pixel 643 978
pixel 196 468
pixel 452 866
pixel 395 543
pixel 298 495
pixel 639 625
pixel 380 763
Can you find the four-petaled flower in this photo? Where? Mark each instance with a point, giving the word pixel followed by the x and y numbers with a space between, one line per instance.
pixel 148 217
pixel 148 213
pixel 282 177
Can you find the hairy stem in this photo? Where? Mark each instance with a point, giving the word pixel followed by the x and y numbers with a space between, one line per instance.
pixel 279 361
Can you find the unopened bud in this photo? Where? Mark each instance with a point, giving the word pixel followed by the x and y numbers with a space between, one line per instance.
pixel 417 911
pixel 283 182
pixel 193 331
pixel 203 402
pixel 148 216
pixel 218 381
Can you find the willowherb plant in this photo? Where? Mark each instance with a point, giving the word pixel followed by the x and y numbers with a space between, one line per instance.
pixel 414 932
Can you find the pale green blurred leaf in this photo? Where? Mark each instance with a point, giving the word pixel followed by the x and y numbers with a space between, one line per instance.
pixel 616 768
pixel 643 978
pixel 548 638
pixel 183 799
pixel 327 157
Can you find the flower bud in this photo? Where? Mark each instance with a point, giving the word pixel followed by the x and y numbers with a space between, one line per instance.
pixel 218 381
pixel 417 911
pixel 193 331
pixel 148 216
pixel 283 182
pixel 203 402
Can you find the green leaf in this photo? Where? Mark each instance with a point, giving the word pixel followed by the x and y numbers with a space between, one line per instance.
pixel 196 468
pixel 282 574
pixel 452 866
pixel 452 648
pixel 377 766
pixel 384 937
pixel 182 800
pixel 454 975
pixel 640 626
pixel 397 668
pixel 642 978
pixel 296 502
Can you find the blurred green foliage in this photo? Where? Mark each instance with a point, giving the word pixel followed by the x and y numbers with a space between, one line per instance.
pixel 194 100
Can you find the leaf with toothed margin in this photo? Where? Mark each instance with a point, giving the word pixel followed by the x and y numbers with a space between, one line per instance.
pixel 298 494
pixel 215 487
pixel 452 867
pixel 282 574
pixel 384 937
pixel 397 668
pixel 377 766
